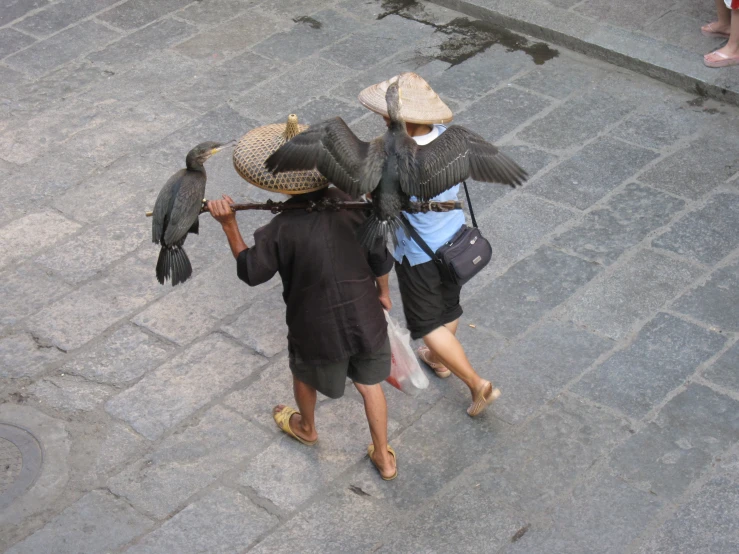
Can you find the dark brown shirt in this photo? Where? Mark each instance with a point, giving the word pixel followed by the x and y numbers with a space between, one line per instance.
pixel 333 311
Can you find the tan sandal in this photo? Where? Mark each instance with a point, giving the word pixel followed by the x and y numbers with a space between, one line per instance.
pixel 282 419
pixel 371 450
pixel 481 400
pixel 442 371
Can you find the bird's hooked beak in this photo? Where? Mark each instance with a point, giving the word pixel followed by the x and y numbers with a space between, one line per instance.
pixel 223 146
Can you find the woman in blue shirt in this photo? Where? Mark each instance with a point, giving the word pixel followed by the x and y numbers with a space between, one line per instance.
pixel 431 306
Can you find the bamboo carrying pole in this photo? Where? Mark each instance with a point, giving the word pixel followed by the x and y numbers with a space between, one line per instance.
pixel 333 205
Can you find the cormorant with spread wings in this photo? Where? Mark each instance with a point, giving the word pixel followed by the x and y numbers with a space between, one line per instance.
pixel 393 167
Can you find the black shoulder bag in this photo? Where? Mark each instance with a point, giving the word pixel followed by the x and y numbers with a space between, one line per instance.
pixel 461 257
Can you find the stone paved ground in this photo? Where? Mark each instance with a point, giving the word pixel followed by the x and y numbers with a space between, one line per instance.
pixel 609 315
pixel 659 38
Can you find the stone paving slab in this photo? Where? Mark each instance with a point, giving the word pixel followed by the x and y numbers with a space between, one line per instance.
pixel 694 427
pixel 178 388
pixel 188 461
pixel 96 523
pixel 715 301
pixel 603 306
pixel 223 521
pixel 604 515
pixel 706 523
pixel 664 354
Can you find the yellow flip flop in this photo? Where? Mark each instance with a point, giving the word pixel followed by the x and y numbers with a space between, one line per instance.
pixel 282 419
pixel 371 450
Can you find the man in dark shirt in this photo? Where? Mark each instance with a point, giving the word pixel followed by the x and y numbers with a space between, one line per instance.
pixel 334 292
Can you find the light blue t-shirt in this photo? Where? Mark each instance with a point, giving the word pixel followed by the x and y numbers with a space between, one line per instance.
pixel 434 227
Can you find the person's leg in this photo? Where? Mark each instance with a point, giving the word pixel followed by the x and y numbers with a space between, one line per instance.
pixel 448 350
pixel 433 358
pixel 304 423
pixel 731 48
pixel 723 20
pixel 375 407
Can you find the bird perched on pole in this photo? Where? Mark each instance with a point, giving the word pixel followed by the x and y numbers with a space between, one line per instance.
pixel 393 167
pixel 176 213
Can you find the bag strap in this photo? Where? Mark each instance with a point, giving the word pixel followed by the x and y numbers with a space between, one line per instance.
pixel 415 236
pixel 469 203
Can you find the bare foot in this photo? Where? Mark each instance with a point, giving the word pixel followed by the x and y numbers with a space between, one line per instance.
pixel 384 462
pixel 296 424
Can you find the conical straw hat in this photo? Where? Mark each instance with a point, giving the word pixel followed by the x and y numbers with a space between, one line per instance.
pixel 419 102
pixel 258 144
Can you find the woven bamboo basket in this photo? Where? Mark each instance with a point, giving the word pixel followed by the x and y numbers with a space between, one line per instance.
pixel 258 144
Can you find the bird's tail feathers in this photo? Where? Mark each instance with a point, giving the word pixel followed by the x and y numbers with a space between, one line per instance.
pixel 173 264
pixel 374 228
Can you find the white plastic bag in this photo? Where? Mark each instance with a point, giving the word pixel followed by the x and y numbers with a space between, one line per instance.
pixel 405 372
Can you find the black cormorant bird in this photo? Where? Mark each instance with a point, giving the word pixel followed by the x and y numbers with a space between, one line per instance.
pixel 176 213
pixel 393 167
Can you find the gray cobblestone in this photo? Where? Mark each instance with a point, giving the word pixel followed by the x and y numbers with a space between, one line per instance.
pixel 15 9
pixel 61 48
pixel 706 523
pixel 603 306
pixel 501 112
pixel 528 290
pixel 56 17
pixel 578 120
pixel 623 220
pixel 95 523
pixel 604 514
pixel 33 233
pixel 705 235
pixel 724 371
pixel 223 521
pixel 132 49
pixel 591 173
pixel 188 461
pixel 137 13
pixel 698 168
pixel 666 352
pixel 229 39
pixel 22 356
pixel 692 428
pixel 178 388
pixel 123 357
pixel 714 302
pixel 11 41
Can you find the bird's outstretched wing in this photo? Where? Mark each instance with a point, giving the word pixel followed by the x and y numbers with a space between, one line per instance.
pixel 456 155
pixel 331 147
pixel 187 205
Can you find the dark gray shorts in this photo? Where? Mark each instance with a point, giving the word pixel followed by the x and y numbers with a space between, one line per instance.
pixel 330 378
pixel 428 302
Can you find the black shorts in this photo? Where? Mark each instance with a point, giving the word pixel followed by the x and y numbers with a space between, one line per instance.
pixel 428 303
pixel 330 378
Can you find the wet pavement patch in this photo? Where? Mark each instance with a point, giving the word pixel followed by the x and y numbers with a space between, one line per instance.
pixel 467 37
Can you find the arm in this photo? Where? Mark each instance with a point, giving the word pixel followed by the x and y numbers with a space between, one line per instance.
pixel 383 291
pixel 223 214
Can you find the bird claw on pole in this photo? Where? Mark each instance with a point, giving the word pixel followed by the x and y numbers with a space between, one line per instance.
pixel 335 205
